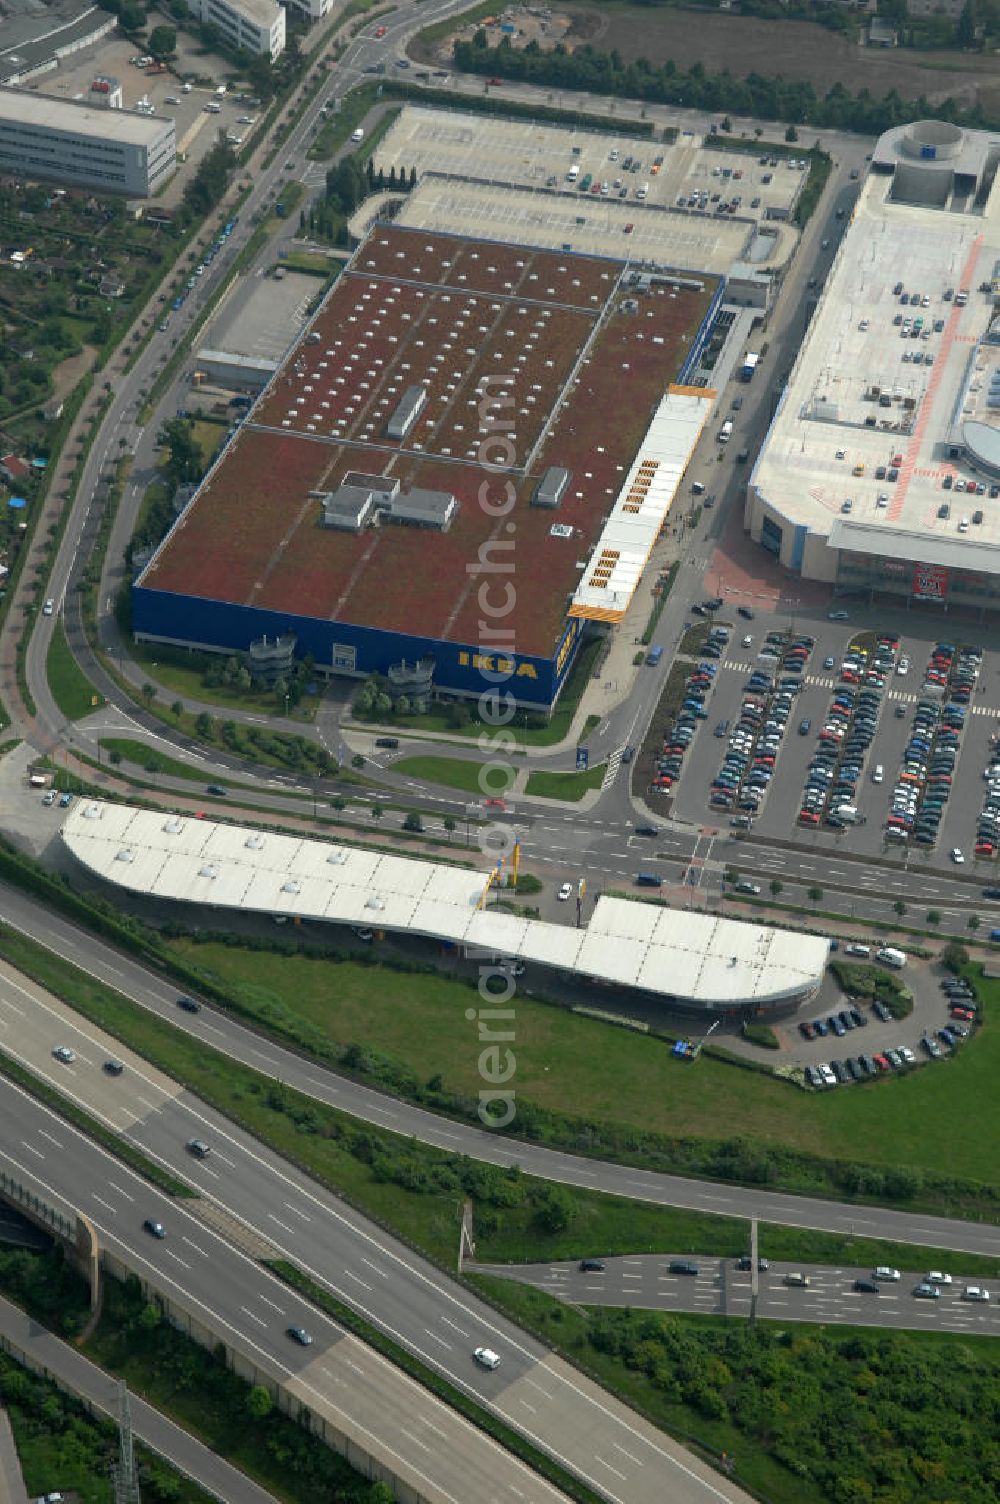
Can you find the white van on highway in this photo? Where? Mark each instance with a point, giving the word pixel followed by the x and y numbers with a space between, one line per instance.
pixel 357 135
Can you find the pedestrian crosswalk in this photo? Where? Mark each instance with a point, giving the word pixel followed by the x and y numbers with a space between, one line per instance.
pixel 611 772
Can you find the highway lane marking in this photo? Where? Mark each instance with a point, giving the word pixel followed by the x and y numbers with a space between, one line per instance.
pixel 283 1225
pixel 51 1138
pixel 12 1006
pixel 146 1103
pixel 415 1439
pixel 31 1149
pixel 610 1468
pixel 524 1402
pixel 358 1280
pixel 268 1058
pixel 247 1312
pixel 211 1028
pixel 353 1365
pixel 113 1187
pixel 629 1455
pixel 380 1272
pixel 436 1429
pixel 443 1343
pixel 106 1204
pixel 297 1212
pixel 194 1246
pixel 454 1327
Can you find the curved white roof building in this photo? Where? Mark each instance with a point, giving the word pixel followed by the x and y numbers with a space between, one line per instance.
pixel 674 955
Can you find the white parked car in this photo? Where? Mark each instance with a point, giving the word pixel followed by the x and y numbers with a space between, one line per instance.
pixel 903 666
pixel 566 891
pixel 936 1277
pixel 486 1357
pixel 48 608
pixel 883 1272
pixel 957 856
pixel 975 1292
pixel 878 773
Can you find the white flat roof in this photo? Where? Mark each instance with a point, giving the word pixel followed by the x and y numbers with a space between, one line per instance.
pixel 698 958
pixel 852 360
pixel 618 560
pixel 80 119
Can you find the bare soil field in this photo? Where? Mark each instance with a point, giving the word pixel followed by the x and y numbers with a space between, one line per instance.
pixel 789 49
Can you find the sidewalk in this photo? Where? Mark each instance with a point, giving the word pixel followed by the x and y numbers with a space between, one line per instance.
pixel 42 1353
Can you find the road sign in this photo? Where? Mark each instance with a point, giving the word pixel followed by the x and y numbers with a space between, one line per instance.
pixel 582 759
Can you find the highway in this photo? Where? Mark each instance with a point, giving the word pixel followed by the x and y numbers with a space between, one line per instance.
pixel 223 1033
pixel 264 1208
pixel 212 1281
pixel 720 1289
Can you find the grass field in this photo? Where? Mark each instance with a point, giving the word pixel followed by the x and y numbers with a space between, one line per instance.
pixel 593 1071
pixel 453 772
pixel 71 689
pixel 183 681
pixel 151 760
pixel 570 786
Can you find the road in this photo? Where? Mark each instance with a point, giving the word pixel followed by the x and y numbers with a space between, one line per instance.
pixel 720 1289
pixel 74 1373
pixel 263 1208
pixel 140 984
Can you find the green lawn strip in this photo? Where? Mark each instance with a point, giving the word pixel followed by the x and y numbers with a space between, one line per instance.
pixel 570 786
pixel 454 772
pixel 456 1398
pixel 155 761
pixel 71 689
pixel 461 720
pixel 774 1397
pixel 622 1090
pixel 518 1218
pixel 174 671
pixel 293 1124
pixel 93 1127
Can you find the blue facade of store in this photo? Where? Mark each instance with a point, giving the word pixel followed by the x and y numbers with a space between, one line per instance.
pixel 346 648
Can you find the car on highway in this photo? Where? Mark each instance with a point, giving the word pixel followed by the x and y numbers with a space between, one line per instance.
pixel 975 1292
pixel 216 789
pixel 866 1286
pixel 188 1005
pixel 48 608
pixel 486 1357
pixel 198 1148
pixel 796 1279
pixel 682 1266
pixel 887 1274
pixel 925 1291
pixel 565 892
pixel 592 1266
pixel 112 1067
pixel 300 1335
pixel 938 1277
pixel 744 886
pixel 154 1228
pixel 745 1263
pixel 64 1053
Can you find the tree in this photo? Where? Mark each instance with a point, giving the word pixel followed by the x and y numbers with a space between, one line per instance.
pixel 162 42
pixel 973 922
pixel 357 761
pixel 776 886
pixel 259 1402
pixel 203 726
pixel 933 916
pixel 449 824
pixel 899 907
pixel 965 31
pixel 814 894
pixel 149 692
pixel 954 956
pixel 177 708
pixel 555 1209
pixel 184 462
pixel 377 811
pixel 413 823
pixel 791 134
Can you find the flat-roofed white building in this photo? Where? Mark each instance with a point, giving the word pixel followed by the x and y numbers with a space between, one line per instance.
pixel 84 146
pixel 881 469
pixel 700 961
pixel 256 26
pixel 313 10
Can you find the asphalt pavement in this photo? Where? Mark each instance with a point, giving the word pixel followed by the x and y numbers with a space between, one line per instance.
pixel 719 1288
pixel 262 1205
pixel 144 987
pixel 41 1350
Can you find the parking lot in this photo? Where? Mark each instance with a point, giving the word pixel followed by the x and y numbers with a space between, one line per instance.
pixel 582 188
pixel 890 750
pixel 197 130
